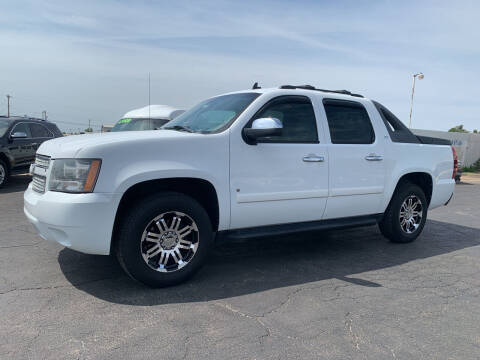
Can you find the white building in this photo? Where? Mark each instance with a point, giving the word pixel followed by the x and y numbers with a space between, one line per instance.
pixel 467 145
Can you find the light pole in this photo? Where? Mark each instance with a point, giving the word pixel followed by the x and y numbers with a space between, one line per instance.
pixel 420 77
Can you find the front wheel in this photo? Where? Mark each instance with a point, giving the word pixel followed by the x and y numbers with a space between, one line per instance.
pixel 164 239
pixel 406 214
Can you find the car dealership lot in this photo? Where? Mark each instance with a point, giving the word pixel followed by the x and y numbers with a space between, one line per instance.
pixel 333 295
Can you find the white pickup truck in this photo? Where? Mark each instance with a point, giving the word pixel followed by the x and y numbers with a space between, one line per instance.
pixel 249 163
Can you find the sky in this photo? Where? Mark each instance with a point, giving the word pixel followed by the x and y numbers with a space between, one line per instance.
pixel 82 60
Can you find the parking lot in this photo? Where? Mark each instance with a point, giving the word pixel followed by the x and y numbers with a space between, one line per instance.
pixel 347 294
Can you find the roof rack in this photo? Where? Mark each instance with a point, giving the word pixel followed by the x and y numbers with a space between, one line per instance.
pixel 310 87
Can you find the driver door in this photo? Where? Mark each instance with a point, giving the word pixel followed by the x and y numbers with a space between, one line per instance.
pixel 281 179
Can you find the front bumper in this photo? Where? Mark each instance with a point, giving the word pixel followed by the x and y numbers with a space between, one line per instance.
pixel 82 222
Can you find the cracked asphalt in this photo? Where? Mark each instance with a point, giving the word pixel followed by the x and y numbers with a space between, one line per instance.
pixel 346 294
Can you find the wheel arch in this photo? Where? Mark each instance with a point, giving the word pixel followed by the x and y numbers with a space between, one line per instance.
pixel 6 160
pixel 199 189
pixel 422 179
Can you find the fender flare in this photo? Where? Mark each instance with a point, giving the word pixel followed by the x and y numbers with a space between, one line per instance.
pixel 396 180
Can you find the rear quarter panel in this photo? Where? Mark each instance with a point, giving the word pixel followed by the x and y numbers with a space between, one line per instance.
pixel 435 160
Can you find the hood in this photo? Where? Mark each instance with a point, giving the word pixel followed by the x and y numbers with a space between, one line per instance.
pixel 71 146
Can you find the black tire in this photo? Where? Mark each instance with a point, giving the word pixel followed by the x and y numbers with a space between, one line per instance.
pixel 3 170
pixel 390 225
pixel 131 229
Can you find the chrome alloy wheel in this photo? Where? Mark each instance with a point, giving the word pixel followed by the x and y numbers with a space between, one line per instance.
pixel 3 174
pixel 411 213
pixel 169 242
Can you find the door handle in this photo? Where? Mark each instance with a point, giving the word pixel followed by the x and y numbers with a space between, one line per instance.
pixel 373 157
pixel 313 158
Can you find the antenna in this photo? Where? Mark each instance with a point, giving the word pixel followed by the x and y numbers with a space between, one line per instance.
pixel 255 86
pixel 149 117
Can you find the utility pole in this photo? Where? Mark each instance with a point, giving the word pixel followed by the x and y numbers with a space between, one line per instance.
pixel 8 105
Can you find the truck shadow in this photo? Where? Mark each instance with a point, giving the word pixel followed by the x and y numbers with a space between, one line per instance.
pixel 256 265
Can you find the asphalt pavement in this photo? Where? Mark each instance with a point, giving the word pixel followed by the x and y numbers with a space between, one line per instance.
pixel 347 294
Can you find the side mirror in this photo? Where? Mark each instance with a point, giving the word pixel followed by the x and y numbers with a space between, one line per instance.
pixel 18 135
pixel 262 127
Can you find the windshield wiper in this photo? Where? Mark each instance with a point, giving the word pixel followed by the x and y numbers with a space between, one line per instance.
pixel 179 128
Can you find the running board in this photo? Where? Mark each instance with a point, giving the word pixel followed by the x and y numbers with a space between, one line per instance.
pixel 292 228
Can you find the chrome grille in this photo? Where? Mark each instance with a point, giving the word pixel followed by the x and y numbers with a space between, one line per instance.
pixel 42 161
pixel 38 183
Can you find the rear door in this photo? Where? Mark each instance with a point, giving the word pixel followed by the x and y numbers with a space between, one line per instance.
pixel 40 133
pixel 282 179
pixel 356 153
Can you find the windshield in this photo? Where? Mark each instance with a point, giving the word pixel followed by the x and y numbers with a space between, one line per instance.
pixel 4 125
pixel 131 124
pixel 213 115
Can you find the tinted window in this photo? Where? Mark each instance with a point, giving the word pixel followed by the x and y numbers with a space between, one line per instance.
pixel 348 122
pixel 158 123
pixel 297 116
pixel 4 125
pixel 56 131
pixel 131 124
pixel 22 127
pixel 39 131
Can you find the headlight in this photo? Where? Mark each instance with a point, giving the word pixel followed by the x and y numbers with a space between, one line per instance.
pixel 74 175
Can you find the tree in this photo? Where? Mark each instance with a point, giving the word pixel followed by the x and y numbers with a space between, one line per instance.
pixel 475 131
pixel 458 128
pixel 89 130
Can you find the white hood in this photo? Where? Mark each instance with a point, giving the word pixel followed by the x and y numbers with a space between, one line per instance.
pixel 71 146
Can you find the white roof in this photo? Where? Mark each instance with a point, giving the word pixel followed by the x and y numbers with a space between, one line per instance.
pixel 154 112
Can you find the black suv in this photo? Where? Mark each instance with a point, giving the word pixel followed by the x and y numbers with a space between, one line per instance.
pixel 20 138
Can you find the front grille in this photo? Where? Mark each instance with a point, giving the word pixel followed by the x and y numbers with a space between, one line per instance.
pixel 42 161
pixel 38 183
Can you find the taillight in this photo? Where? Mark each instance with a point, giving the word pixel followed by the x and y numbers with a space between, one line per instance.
pixel 455 162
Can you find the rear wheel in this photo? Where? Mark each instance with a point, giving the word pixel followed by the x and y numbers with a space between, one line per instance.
pixel 164 239
pixel 3 173
pixel 406 214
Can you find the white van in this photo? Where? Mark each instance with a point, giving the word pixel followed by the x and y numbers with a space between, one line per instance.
pixel 150 117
